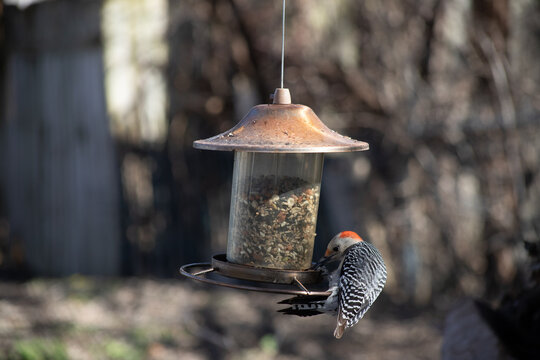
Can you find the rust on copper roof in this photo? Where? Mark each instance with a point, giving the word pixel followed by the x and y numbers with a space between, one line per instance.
pixel 281 128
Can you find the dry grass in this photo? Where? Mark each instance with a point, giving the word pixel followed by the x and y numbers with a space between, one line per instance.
pixel 89 318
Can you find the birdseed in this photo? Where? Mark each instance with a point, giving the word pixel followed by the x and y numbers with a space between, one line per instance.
pixel 276 224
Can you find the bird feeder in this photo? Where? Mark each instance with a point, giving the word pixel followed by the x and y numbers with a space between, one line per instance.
pixel 278 161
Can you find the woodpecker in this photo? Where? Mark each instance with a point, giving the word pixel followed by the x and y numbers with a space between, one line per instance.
pixel 356 276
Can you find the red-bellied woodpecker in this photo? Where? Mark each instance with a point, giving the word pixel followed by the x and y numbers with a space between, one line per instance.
pixel 355 282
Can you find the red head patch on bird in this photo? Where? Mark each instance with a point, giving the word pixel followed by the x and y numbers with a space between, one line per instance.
pixel 350 234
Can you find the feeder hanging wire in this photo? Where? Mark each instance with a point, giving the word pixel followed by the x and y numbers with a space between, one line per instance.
pixel 283 44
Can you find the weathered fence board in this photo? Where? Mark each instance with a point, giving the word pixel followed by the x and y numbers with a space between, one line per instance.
pixel 58 167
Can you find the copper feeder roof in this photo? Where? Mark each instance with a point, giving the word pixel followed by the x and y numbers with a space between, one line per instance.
pixel 281 127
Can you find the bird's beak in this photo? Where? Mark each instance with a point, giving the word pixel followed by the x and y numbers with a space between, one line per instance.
pixel 322 261
pixel 327 253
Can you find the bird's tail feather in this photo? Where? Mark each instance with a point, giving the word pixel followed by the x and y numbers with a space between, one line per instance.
pixel 304 299
pixel 340 326
pixel 304 305
pixel 299 312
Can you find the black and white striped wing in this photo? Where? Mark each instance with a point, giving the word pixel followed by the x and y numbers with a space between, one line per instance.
pixel 363 275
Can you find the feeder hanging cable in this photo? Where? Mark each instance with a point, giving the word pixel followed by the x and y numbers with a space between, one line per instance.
pixel 282 96
pixel 283 44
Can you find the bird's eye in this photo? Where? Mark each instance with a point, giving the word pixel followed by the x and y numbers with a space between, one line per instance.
pixel 336 248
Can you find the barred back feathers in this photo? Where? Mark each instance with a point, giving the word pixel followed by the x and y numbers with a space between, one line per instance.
pixel 354 284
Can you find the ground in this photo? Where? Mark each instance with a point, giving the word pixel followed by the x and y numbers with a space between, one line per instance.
pixel 88 318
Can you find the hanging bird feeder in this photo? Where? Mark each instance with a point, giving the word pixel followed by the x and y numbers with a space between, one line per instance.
pixel 278 161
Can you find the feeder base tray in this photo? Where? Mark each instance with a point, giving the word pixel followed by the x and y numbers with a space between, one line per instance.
pixel 223 273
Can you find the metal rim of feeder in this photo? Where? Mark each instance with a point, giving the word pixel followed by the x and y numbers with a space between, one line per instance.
pixel 203 272
pixel 252 273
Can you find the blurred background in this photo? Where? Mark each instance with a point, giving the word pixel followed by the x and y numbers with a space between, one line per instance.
pixel 102 196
